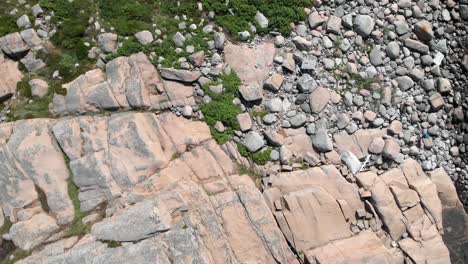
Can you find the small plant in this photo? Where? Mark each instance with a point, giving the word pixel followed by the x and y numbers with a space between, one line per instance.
pixel 24 88
pixel 261 157
pixel 112 244
pixel 242 150
pixel 259 113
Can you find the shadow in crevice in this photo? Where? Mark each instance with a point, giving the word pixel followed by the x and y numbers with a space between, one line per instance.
pixel 455 236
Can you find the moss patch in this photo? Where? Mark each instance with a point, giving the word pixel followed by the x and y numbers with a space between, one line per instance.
pixel 112 244
pixel 77 227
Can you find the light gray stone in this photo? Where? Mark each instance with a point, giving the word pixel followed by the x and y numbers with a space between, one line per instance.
pixel 404 82
pixel 298 120
pixel 251 93
pixel 253 141
pixel 363 25
pixel 107 41
pixel 179 39
pixel 444 86
pixel 393 50
pixel 261 20
pixel 321 141
pixel 219 40
pixel 23 22
pixel 417 46
pixel 144 37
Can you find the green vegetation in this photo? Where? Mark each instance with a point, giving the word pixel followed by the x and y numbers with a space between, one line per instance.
pixel 261 157
pixel 112 244
pixel 77 227
pixel 5 228
pixel 259 113
pixel 129 46
pixel 222 108
pixel 242 150
pixel 235 16
pixel 7 25
pixel 127 17
pixel 26 109
pixel 165 49
pixel 73 17
pixel 15 256
pixel 24 88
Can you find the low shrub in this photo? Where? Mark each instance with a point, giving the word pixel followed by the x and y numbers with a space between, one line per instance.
pixel 235 16
pixel 129 46
pixel 72 18
pixel 261 157
pixel 127 17
pixel 222 108
pixel 242 150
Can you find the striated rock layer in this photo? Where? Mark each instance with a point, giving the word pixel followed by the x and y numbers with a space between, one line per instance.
pixel 128 83
pixel 165 192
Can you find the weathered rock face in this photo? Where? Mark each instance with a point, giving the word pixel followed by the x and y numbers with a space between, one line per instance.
pixel 108 155
pixel 129 83
pixel 32 159
pixel 306 208
pixel 174 195
pixel 147 218
pixel 350 250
